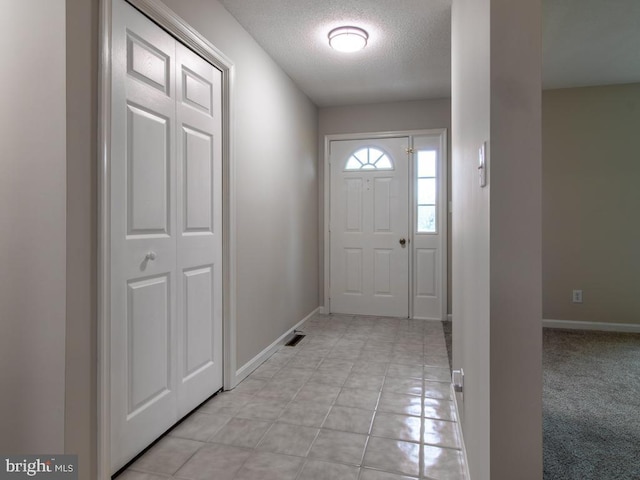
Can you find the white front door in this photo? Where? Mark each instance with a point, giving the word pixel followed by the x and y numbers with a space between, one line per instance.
pixel 369 221
pixel 165 223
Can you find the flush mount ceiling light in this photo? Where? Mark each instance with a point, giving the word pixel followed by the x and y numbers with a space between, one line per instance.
pixel 348 39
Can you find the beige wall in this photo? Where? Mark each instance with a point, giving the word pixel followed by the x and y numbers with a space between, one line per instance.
pixel 276 189
pixel 496 53
pixel 591 201
pixel 381 117
pixel 81 337
pixel 32 226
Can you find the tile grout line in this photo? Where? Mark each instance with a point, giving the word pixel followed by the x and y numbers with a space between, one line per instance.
pixel 373 419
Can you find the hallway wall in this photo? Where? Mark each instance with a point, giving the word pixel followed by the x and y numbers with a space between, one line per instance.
pixel 32 226
pixel 276 189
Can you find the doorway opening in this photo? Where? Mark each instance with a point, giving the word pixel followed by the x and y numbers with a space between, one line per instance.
pixel 386 224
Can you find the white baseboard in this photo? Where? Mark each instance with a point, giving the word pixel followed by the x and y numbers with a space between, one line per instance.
pixel 601 326
pixel 426 319
pixel 321 310
pixel 245 370
pixel 459 423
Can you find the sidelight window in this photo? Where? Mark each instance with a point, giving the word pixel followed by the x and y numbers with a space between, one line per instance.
pixel 427 191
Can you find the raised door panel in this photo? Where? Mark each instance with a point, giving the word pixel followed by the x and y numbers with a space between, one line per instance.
pixel 382 205
pixel 148 63
pixel 197 91
pixel 148 177
pixel 353 271
pixel 198 181
pixel 426 272
pixel 148 342
pixel 382 281
pixel 353 205
pixel 198 347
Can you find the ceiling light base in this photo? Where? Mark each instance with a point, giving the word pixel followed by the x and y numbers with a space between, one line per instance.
pixel 348 39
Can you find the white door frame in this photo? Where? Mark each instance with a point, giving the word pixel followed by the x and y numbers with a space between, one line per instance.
pixel 179 29
pixel 442 132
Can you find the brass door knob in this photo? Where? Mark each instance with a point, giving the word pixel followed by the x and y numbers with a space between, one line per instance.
pixel 403 242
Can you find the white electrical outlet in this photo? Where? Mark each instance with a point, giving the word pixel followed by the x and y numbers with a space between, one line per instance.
pixel 577 296
pixel 457 378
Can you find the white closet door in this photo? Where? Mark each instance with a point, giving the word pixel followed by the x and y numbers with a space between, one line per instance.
pixel 166 276
pixel 199 224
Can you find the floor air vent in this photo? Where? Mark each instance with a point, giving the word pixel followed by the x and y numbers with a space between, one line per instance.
pixel 294 340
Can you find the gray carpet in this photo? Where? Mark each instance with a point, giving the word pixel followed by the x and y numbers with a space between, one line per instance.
pixel 591 405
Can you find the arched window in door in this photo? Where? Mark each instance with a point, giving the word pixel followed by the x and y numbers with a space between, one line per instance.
pixel 369 158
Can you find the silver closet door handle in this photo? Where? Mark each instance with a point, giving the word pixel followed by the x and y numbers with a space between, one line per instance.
pixel 150 256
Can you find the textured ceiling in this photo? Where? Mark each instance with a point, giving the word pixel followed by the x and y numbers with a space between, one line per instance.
pixel 590 42
pixel 585 42
pixel 407 58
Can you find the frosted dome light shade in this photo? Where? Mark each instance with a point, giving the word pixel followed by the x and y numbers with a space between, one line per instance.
pixel 348 39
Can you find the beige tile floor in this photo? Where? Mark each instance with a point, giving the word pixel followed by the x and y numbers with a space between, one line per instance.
pixel 359 398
